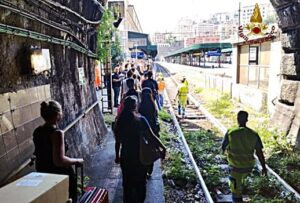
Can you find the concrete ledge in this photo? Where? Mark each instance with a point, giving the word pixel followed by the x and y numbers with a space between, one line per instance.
pixel 283 116
pixel 255 98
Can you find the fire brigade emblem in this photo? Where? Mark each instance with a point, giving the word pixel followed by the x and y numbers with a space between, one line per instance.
pixel 256 26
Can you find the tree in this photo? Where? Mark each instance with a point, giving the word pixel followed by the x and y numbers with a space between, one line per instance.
pixel 106 47
pixel 116 51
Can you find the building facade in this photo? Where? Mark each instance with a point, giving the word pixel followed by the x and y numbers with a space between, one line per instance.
pixel 130 22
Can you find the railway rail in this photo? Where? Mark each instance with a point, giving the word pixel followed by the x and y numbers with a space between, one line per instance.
pixel 197 115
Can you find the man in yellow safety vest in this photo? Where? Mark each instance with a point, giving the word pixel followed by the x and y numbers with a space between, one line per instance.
pixel 182 95
pixel 241 143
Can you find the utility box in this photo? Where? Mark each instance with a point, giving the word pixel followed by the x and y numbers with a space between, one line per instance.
pixel 37 188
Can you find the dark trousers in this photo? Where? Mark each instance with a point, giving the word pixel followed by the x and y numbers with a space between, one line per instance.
pixel 116 96
pixel 72 186
pixel 134 192
pixel 134 182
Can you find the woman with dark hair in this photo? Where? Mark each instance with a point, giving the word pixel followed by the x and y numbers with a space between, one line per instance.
pixel 50 147
pixel 131 92
pixel 148 109
pixel 128 129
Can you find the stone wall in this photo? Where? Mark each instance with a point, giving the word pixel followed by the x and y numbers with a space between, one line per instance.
pixel 288 105
pixel 63 80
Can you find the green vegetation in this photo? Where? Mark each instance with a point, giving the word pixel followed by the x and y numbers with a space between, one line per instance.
pixel 86 179
pixel 109 119
pixel 174 166
pixel 221 106
pixel 107 48
pixel 265 189
pixel 287 167
pixel 207 154
pixel 176 169
pixel 279 153
pixel 198 90
pixel 164 115
pixel 205 150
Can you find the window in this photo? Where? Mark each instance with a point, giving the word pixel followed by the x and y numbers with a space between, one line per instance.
pixel 253 55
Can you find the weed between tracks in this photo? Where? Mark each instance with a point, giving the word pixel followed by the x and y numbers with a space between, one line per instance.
pixel 205 146
pixel 280 154
pixel 179 177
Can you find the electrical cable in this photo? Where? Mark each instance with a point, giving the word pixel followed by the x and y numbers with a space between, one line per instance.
pixel 38 18
pixel 58 5
pixel 7 29
pixel 54 12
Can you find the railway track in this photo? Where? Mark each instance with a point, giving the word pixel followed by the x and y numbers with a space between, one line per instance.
pixel 197 117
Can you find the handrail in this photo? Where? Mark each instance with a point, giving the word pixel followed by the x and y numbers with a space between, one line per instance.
pixel 81 116
pixel 181 135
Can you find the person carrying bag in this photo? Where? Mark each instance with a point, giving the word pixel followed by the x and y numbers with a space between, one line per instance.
pixel 151 148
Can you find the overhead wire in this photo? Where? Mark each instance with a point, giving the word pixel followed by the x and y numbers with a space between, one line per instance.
pixel 40 19
pixel 83 48
pixel 58 5
pixel 8 29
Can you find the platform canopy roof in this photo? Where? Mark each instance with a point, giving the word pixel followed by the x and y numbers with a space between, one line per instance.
pixel 201 47
pixel 142 42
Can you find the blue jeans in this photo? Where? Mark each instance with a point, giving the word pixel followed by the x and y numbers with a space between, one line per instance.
pixel 157 102
pixel 161 100
pixel 116 96
pixel 181 109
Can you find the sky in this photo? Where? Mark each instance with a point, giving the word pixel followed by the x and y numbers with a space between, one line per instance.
pixel 162 15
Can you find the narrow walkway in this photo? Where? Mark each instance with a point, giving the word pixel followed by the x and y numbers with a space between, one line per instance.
pixel 103 172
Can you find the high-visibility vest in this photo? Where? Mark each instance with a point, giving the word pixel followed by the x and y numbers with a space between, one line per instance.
pixel 186 83
pixel 183 90
pixel 161 86
pixel 241 147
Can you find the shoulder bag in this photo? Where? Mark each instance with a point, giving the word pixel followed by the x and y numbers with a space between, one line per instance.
pixel 151 148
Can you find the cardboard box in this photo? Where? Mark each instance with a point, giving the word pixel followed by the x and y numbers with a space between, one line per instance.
pixel 37 188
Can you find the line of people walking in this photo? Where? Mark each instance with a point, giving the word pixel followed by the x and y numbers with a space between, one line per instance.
pixel 137 112
pixel 142 77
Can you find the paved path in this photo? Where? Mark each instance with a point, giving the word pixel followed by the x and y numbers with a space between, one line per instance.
pixel 103 172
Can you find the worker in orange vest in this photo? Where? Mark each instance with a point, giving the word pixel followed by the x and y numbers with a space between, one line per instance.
pixel 161 88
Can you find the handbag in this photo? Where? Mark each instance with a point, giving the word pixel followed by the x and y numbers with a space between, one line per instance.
pixel 151 148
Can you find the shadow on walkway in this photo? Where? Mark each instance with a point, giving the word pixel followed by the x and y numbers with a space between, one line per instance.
pixel 103 172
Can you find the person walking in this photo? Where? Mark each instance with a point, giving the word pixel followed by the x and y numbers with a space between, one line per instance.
pixel 124 86
pixel 50 147
pixel 131 92
pixel 182 95
pixel 161 88
pixel 116 85
pixel 152 84
pixel 148 109
pixel 241 143
pixel 128 129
